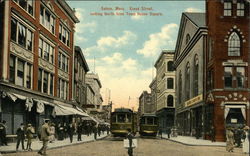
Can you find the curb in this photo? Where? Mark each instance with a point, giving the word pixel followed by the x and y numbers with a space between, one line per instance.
pixel 192 144
pixel 50 148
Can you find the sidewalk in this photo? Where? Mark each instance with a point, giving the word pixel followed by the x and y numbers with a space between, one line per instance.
pixel 36 144
pixel 192 141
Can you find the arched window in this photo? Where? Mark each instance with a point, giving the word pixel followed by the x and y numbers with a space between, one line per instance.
pixel 170 66
pixel 196 76
pixel 187 38
pixel 170 83
pixel 170 101
pixel 234 45
pixel 180 88
pixel 187 82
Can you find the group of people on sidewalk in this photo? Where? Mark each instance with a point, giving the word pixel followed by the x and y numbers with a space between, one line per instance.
pixel 237 137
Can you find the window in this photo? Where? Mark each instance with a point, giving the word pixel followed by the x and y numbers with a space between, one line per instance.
pixel 47 19
pixel 180 87
pixel 170 66
pixel 27 5
pixel 21 34
pixel 227 9
pixel 28 76
pixel 234 45
pixel 64 35
pixel 170 83
pixel 187 82
pixel 240 76
pixel 240 9
pixel 228 77
pixel 45 82
pixel 20 73
pixel 40 80
pixel 12 69
pixel 170 101
pixel 51 84
pixel 196 76
pixel 46 51
pixel 187 38
pixel 63 62
pixel 63 87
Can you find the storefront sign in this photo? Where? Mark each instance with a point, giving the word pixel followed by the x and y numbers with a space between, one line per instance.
pixel 193 100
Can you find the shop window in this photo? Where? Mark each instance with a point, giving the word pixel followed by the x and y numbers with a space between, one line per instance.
pixel 12 69
pixel 20 73
pixel 240 76
pixel 228 77
pixel 170 83
pixel 234 45
pixel 240 9
pixel 227 9
pixel 170 101
pixel 170 66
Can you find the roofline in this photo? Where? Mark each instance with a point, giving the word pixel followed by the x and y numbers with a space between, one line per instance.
pixel 191 19
pixel 162 53
pixel 85 64
pixel 68 9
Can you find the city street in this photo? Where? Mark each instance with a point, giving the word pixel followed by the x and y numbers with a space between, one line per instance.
pixel 146 147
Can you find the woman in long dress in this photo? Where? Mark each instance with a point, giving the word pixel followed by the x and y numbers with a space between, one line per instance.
pixel 230 140
pixel 246 141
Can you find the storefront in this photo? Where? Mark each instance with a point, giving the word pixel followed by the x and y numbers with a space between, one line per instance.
pixel 166 118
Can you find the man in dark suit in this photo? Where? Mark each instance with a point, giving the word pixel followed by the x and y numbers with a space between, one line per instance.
pixel 20 136
pixel 45 133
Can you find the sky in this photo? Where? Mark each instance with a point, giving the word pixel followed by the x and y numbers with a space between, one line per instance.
pixel 122 49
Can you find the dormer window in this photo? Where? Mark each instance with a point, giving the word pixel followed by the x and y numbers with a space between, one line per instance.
pixel 234 45
pixel 227 9
pixel 240 9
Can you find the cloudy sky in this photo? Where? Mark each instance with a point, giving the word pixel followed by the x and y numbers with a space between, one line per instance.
pixel 123 49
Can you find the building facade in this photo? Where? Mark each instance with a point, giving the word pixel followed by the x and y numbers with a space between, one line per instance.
pixel 36 57
pixel 145 103
pixel 165 89
pixel 152 87
pixel 227 65
pixel 80 70
pixel 189 64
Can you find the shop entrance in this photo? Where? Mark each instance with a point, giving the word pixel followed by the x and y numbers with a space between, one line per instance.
pixel 235 115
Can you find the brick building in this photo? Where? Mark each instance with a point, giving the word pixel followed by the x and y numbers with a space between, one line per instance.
pixel 36 61
pixel 227 65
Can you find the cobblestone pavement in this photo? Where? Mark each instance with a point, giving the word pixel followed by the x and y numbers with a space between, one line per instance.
pixel 146 147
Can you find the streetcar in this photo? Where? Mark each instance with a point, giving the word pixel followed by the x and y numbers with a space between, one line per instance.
pixel 122 119
pixel 148 125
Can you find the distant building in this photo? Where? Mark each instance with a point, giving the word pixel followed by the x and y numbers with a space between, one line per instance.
pixel 80 70
pixel 145 103
pixel 153 88
pixel 165 90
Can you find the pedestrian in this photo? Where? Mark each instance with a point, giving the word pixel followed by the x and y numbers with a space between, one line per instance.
pixel 230 139
pixel 71 131
pixel 212 134
pixel 79 131
pixel 60 131
pixel 52 132
pixel 3 129
pixel 160 132
pixel 130 137
pixel 237 137
pixel 197 132
pixel 45 133
pixel 95 129
pixel 246 139
pixel 99 130
pixel 29 134
pixel 168 132
pixel 20 136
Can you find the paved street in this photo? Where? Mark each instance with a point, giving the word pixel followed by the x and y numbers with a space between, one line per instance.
pixel 146 147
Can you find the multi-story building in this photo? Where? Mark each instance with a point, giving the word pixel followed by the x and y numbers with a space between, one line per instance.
pixel 80 70
pixel 152 87
pixel 189 64
pixel 165 89
pixel 145 104
pixel 227 65
pixel 36 58
pixel 94 98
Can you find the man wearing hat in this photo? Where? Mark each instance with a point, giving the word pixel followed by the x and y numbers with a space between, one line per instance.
pixel 20 136
pixel 45 133
pixel 29 133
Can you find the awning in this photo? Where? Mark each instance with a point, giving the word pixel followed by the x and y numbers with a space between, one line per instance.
pixel 61 110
